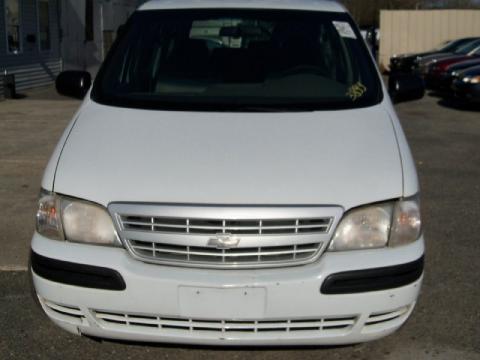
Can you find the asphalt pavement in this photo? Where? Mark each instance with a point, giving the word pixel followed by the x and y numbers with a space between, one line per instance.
pixel 445 141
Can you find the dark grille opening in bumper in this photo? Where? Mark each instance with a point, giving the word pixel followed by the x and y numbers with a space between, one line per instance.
pixel 385 278
pixel 87 276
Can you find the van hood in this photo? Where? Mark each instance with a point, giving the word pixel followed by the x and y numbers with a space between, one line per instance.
pixel 346 158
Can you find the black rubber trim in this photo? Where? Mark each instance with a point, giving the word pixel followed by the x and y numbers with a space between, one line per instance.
pixel 353 282
pixel 87 276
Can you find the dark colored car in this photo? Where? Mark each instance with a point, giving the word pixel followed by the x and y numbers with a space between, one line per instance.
pixel 434 75
pixel 426 63
pixel 409 62
pixel 446 78
pixel 467 85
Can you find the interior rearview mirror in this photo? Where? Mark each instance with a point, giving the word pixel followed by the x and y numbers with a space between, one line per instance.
pixel 73 83
pixel 406 87
pixel 231 31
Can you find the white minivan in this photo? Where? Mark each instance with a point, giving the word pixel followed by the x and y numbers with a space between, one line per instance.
pixel 236 175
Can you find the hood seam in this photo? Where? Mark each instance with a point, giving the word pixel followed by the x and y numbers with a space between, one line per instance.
pixel 63 148
pixel 400 155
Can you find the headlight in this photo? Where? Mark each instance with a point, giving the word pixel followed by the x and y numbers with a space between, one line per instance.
pixel 406 224
pixel 471 79
pixel 364 228
pixel 377 226
pixel 62 218
pixel 475 80
pixel 48 217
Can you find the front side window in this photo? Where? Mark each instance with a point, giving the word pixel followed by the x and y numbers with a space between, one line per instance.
pixel 44 25
pixel 13 23
pixel 240 60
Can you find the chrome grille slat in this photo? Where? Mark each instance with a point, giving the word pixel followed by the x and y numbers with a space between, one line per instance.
pixel 225 236
pixel 226 229
pixel 223 253
pixel 190 226
pixel 225 256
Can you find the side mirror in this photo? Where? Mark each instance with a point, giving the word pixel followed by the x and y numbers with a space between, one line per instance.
pixel 406 87
pixel 73 83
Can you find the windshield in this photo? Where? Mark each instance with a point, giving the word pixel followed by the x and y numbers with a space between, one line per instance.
pixel 468 48
pixel 452 46
pixel 238 60
pixel 446 46
pixel 475 51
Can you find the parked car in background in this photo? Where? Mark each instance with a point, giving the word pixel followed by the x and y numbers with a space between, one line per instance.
pixel 257 193
pixel 445 79
pixel 409 62
pixel 434 75
pixel 425 65
pixel 466 85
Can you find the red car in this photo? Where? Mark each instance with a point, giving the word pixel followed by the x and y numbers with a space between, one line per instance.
pixel 434 75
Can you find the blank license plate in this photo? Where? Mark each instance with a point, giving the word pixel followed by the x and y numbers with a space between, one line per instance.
pixel 214 303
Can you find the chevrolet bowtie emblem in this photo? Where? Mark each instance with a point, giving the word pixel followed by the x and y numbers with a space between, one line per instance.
pixel 224 241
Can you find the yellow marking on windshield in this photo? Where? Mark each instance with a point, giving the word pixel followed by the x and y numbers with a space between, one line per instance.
pixel 356 91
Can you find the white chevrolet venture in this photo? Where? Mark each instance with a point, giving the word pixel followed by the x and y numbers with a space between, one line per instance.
pixel 236 175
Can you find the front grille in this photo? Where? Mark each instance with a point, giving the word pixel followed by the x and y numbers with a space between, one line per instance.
pixel 224 226
pixel 71 314
pixel 264 255
pixel 338 325
pixel 225 236
pixel 386 317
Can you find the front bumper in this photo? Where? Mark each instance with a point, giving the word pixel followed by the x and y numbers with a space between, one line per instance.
pixel 433 81
pixel 468 92
pixel 403 65
pixel 441 83
pixel 227 307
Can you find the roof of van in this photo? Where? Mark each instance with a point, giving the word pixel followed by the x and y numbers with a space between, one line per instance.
pixel 314 5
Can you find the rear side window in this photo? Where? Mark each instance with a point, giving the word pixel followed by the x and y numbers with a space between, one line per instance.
pixel 239 59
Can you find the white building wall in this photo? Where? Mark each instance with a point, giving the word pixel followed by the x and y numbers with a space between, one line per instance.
pixel 79 54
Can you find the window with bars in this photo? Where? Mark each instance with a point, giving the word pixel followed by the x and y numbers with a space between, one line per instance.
pixel 44 25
